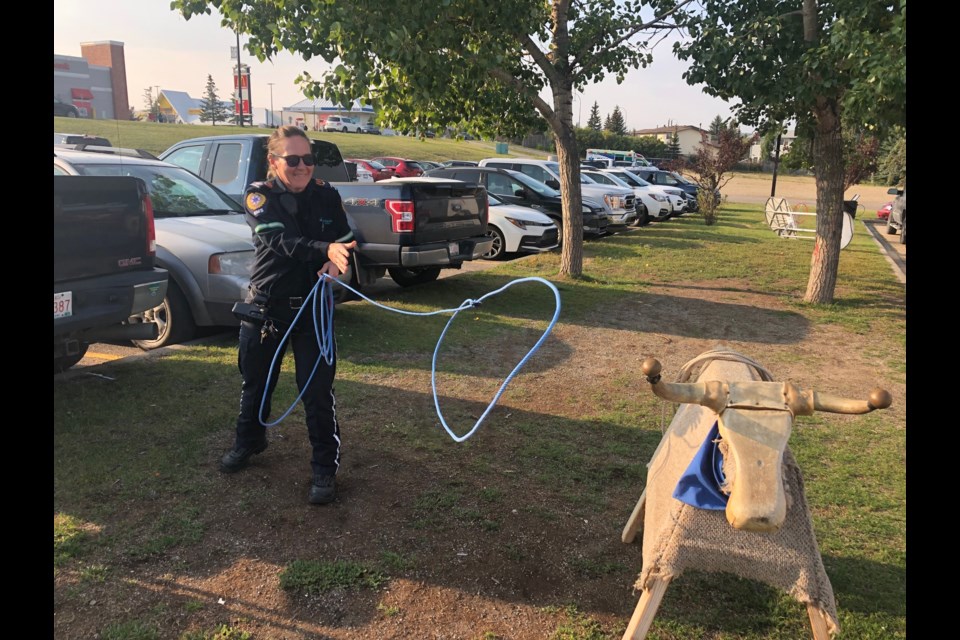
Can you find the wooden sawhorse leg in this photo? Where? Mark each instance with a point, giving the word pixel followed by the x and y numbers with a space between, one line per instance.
pixel 818 622
pixel 646 609
pixel 635 521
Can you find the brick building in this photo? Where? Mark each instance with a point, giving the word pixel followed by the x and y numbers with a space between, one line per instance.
pixel 95 82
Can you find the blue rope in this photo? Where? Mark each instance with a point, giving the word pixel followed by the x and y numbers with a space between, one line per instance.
pixel 322 307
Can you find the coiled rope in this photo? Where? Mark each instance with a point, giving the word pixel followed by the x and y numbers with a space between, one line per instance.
pixel 320 300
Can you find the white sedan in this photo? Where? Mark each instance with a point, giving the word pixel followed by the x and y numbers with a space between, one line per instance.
pixel 517 229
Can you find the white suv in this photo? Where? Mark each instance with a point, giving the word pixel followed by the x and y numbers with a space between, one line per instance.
pixel 619 202
pixel 342 123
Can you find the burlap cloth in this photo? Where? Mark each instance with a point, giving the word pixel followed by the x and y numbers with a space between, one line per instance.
pixel 677 536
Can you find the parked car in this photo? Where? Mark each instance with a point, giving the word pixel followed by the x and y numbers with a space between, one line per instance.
pixel 343 124
pixel 458 163
pixel 656 205
pixel 517 229
pixel 202 238
pixel 514 187
pixel 377 170
pixel 362 173
pixel 64 109
pixel 80 138
pixel 897 220
pixel 884 212
pixel 619 202
pixel 427 165
pixel 371 129
pixel 402 168
pixel 670 179
pixel 675 199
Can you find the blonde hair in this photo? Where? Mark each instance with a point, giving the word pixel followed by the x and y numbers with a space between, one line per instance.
pixel 276 141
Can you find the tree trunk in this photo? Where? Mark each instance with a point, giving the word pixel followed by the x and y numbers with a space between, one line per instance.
pixel 568 156
pixel 828 163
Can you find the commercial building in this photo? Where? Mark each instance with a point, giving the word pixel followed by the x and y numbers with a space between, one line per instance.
pixel 95 82
pixel 312 113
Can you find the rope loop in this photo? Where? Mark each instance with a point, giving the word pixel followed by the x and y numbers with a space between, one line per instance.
pixel 322 306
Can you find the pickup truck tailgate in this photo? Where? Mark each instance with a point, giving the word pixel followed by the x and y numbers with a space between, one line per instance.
pixel 445 210
pixel 105 212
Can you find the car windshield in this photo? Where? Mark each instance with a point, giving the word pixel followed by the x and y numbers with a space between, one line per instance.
pixel 632 178
pixel 535 185
pixel 376 165
pixel 585 179
pixel 680 178
pixel 615 179
pixel 174 191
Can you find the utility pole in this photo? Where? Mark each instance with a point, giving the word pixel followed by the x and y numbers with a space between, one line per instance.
pixel 239 80
pixel 776 165
pixel 271 103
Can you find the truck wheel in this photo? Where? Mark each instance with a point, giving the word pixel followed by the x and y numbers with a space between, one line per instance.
pixel 63 363
pixel 643 219
pixel 903 228
pixel 497 249
pixel 890 228
pixel 173 319
pixel 409 277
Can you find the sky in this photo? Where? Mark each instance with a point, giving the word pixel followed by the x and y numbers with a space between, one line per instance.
pixel 163 49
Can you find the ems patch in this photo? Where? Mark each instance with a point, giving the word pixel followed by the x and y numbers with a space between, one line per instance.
pixel 254 203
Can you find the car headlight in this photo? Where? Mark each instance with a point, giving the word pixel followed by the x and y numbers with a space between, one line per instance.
pixel 520 224
pixel 235 263
pixel 659 198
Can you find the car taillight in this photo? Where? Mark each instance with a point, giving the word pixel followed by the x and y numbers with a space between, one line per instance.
pixel 401 213
pixel 151 229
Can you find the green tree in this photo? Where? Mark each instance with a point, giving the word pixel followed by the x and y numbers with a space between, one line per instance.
pixel 211 108
pixel 811 61
pixel 615 123
pixel 717 125
pixel 892 164
pixel 480 66
pixel 593 122
pixel 673 147
pixel 152 103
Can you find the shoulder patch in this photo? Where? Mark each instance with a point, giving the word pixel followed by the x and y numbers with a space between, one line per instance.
pixel 254 203
pixel 319 182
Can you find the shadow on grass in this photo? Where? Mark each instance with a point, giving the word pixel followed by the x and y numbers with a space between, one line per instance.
pixel 528 512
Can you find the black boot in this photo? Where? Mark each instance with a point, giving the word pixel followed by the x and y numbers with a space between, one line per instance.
pixel 323 490
pixel 239 457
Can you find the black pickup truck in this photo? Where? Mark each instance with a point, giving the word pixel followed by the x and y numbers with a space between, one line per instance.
pixel 410 228
pixel 104 245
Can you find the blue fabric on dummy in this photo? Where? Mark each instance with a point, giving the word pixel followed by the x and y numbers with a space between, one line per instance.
pixel 699 486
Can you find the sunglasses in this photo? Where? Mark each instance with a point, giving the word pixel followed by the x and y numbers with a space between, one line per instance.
pixel 294 161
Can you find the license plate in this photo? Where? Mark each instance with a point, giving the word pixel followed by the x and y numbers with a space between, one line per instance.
pixel 454 248
pixel 63 304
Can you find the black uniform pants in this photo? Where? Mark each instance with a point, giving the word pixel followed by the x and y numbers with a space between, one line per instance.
pixel 320 406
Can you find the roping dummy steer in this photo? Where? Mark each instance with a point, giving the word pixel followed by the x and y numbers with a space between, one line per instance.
pixel 726 450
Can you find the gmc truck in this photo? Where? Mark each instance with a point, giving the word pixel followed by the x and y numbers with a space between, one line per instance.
pixel 410 228
pixel 104 245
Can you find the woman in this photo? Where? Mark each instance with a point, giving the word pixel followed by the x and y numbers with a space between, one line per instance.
pixel 300 232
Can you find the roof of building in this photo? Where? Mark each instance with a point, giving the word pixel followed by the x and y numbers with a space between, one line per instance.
pixel 183 104
pixel 321 105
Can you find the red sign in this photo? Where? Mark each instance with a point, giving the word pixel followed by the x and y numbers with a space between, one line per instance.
pixel 246 107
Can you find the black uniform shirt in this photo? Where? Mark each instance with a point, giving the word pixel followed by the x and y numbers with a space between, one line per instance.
pixel 291 233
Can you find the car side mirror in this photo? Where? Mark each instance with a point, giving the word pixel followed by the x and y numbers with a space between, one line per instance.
pixel 893 191
pixel 520 193
pixel 553 184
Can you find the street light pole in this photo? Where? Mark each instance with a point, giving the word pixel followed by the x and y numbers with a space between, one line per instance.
pixel 271 102
pixel 239 80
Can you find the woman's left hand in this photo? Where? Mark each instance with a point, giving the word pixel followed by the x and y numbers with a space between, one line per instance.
pixel 330 269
